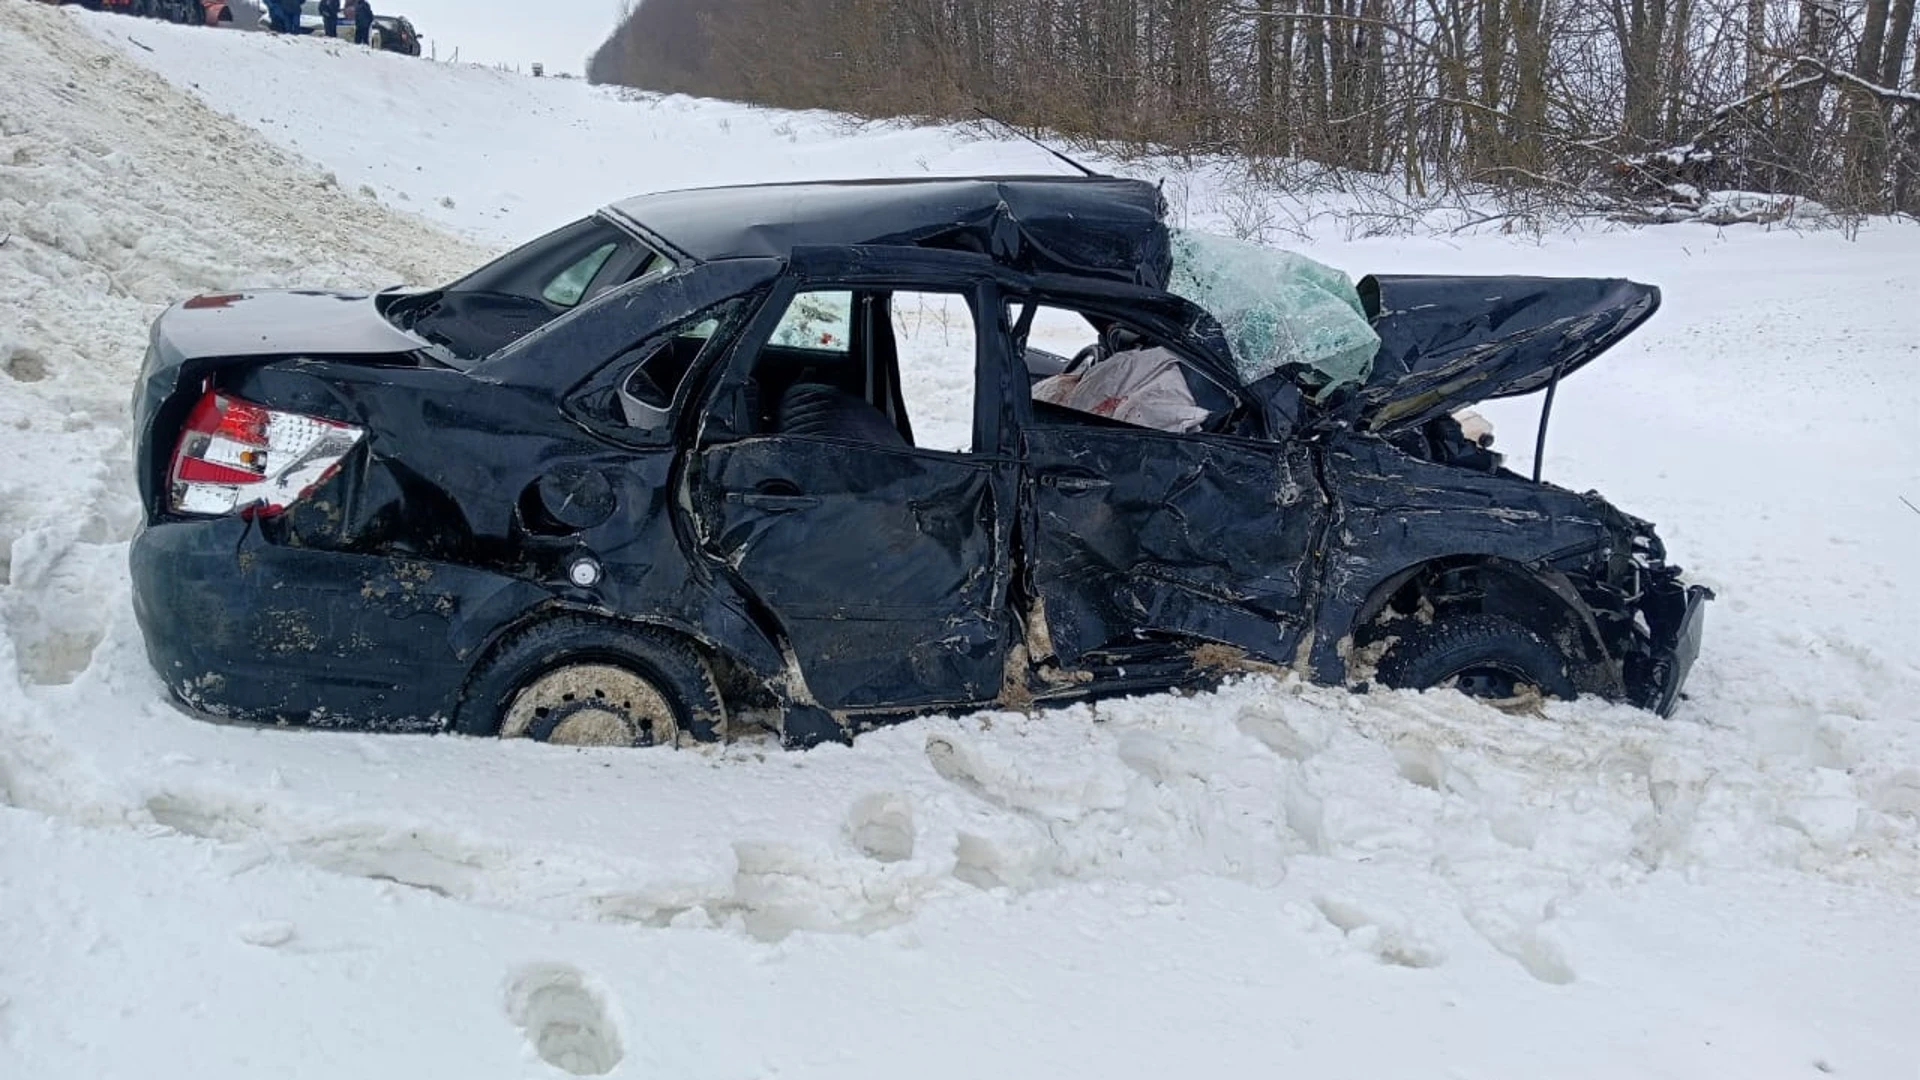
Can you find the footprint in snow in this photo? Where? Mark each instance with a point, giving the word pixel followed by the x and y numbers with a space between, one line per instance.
pixel 1385 936
pixel 881 826
pixel 24 365
pixel 565 1019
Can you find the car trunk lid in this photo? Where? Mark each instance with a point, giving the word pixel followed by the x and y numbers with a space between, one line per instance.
pixel 195 339
pixel 280 323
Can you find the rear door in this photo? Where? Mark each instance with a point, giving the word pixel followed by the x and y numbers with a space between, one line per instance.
pixel 884 563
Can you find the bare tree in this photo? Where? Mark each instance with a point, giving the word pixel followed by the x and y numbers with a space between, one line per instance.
pixel 1620 99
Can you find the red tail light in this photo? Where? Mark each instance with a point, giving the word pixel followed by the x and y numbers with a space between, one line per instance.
pixel 238 457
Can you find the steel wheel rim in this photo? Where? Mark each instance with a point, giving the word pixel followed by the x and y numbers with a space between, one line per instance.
pixel 592 704
pixel 1491 682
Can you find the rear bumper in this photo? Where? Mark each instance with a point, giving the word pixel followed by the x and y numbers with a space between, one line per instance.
pixel 1676 622
pixel 243 629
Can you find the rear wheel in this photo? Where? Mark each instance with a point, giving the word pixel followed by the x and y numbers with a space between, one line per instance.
pixel 1484 656
pixel 584 682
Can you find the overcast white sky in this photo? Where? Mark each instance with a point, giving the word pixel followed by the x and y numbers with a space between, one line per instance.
pixel 557 33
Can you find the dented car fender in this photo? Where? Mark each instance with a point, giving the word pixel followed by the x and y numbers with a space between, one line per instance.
pixel 1395 516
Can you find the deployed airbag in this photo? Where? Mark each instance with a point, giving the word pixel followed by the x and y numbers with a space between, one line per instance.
pixel 1142 387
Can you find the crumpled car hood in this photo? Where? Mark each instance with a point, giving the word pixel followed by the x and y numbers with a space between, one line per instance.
pixel 279 323
pixel 1448 342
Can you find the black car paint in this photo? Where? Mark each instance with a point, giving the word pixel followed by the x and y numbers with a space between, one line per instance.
pixel 1089 227
pixel 1447 342
pixel 846 580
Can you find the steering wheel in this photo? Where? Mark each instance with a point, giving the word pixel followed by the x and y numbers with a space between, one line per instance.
pixel 1082 358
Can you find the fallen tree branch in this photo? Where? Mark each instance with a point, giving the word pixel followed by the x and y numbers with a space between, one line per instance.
pixel 1767 93
pixel 1821 74
pixel 1834 74
pixel 1910 506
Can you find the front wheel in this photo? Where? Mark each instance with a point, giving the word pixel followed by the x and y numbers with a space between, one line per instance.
pixel 584 682
pixel 1485 656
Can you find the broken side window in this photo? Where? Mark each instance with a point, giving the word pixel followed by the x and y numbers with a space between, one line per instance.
pixel 1050 339
pixel 660 365
pixel 809 379
pixel 1106 372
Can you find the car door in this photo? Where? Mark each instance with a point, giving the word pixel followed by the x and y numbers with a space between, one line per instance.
pixel 884 564
pixel 1140 538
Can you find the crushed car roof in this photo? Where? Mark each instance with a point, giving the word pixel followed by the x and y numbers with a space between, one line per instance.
pixel 1100 226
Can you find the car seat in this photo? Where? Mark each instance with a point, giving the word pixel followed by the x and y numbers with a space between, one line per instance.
pixel 810 408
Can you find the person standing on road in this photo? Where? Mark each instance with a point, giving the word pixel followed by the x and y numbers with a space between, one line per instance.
pixel 330 17
pixel 362 22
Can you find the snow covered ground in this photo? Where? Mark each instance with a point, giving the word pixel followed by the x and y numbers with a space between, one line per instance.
pixel 1271 880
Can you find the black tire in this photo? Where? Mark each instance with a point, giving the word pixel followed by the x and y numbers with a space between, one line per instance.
pixel 1487 656
pixel 665 661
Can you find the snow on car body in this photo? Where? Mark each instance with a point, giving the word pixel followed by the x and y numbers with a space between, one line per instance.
pixel 602 490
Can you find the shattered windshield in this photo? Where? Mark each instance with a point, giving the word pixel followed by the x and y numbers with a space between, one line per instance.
pixel 1278 309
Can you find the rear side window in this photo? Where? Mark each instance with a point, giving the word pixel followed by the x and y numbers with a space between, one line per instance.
pixel 570 286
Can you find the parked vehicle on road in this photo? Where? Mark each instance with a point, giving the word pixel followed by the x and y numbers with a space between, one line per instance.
pixel 675 463
pixel 395 33
pixel 194 12
pixel 390 33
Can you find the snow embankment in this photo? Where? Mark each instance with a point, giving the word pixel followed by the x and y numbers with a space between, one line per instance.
pixel 118 195
pixel 507 157
pixel 1274 878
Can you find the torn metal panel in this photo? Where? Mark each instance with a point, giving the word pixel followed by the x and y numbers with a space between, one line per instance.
pixel 1393 512
pixel 1135 535
pixel 1589 578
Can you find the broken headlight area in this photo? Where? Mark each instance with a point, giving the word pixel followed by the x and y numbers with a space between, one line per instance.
pixel 1669 618
pixel 1674 616
pixel 1651 618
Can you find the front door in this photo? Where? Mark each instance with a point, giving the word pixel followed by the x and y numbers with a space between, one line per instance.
pixel 1141 536
pixel 1156 517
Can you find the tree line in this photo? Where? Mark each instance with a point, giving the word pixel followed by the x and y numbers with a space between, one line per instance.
pixel 1816 98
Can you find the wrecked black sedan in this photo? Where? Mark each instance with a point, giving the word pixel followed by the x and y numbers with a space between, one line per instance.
pixel 827 455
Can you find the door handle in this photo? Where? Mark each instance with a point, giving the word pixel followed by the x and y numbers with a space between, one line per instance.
pixel 1074 483
pixel 773 504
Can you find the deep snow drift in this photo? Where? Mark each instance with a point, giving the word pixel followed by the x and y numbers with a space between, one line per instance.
pixel 1271 880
